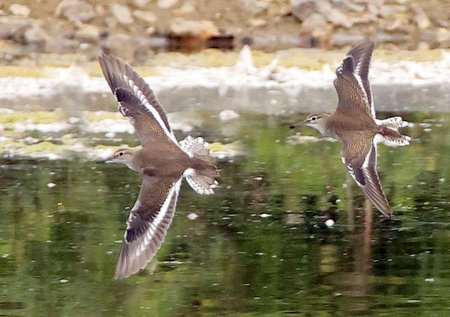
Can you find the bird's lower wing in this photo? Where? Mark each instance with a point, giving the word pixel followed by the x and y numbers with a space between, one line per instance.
pixel 361 162
pixel 147 223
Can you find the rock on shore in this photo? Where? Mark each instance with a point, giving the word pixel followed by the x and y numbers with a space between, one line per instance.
pixel 140 26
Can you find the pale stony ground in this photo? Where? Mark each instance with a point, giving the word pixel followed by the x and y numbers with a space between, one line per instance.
pixel 57 133
pixel 242 74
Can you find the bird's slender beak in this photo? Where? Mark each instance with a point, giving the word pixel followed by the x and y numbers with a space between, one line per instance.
pixel 296 125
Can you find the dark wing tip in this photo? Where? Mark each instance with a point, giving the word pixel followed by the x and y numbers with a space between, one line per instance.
pixel 114 66
pixel 121 271
pixel 347 64
pixel 120 74
pixel 130 263
pixel 102 56
pixel 123 95
pixel 105 61
pixel 128 102
pixel 364 43
pixel 125 267
pixel 361 53
pixel 107 57
pixel 111 68
pixel 360 47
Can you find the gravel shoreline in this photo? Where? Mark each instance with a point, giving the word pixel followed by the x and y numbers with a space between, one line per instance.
pixel 283 85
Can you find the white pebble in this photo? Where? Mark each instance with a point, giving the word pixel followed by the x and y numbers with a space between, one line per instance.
pixel 192 216
pixel 329 223
pixel 227 115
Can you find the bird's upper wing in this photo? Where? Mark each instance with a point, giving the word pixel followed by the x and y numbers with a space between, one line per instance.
pixel 360 158
pixel 361 53
pixel 137 101
pixel 352 83
pixel 147 223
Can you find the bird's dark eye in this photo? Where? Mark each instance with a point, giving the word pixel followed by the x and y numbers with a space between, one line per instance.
pixel 120 153
pixel 313 118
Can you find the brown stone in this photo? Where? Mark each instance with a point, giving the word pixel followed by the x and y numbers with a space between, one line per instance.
pixel 145 16
pixel 303 9
pixel 122 13
pixel 75 11
pixel 420 17
pixel 202 29
pixel 19 9
pixel 88 33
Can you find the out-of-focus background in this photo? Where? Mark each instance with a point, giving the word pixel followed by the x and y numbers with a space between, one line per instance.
pixel 287 232
pixel 135 29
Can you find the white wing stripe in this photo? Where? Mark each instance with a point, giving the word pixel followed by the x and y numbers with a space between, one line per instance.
pixel 361 86
pixel 360 83
pixel 149 107
pixel 152 229
pixel 365 165
pixel 175 188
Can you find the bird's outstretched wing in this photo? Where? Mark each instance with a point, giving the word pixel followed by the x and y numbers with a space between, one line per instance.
pixel 352 83
pixel 360 158
pixel 147 223
pixel 361 53
pixel 137 101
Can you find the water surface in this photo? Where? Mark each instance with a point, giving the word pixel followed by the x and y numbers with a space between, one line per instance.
pixel 259 246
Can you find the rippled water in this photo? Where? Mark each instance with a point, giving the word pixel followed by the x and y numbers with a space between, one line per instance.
pixel 259 246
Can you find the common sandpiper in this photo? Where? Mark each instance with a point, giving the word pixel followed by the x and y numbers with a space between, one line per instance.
pixel 355 125
pixel 161 160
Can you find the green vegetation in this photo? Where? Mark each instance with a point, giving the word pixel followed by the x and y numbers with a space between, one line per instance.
pixel 31 117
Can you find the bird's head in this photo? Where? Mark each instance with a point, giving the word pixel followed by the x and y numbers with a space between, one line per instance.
pixel 122 155
pixel 315 120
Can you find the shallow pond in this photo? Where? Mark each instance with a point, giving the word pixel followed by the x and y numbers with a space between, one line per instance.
pixel 258 247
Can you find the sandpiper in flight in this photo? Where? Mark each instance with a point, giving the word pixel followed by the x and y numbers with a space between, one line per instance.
pixel 354 124
pixel 161 160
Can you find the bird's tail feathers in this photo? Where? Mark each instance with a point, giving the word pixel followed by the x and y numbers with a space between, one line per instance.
pixel 393 122
pixel 200 182
pixel 196 148
pixel 201 179
pixel 389 134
